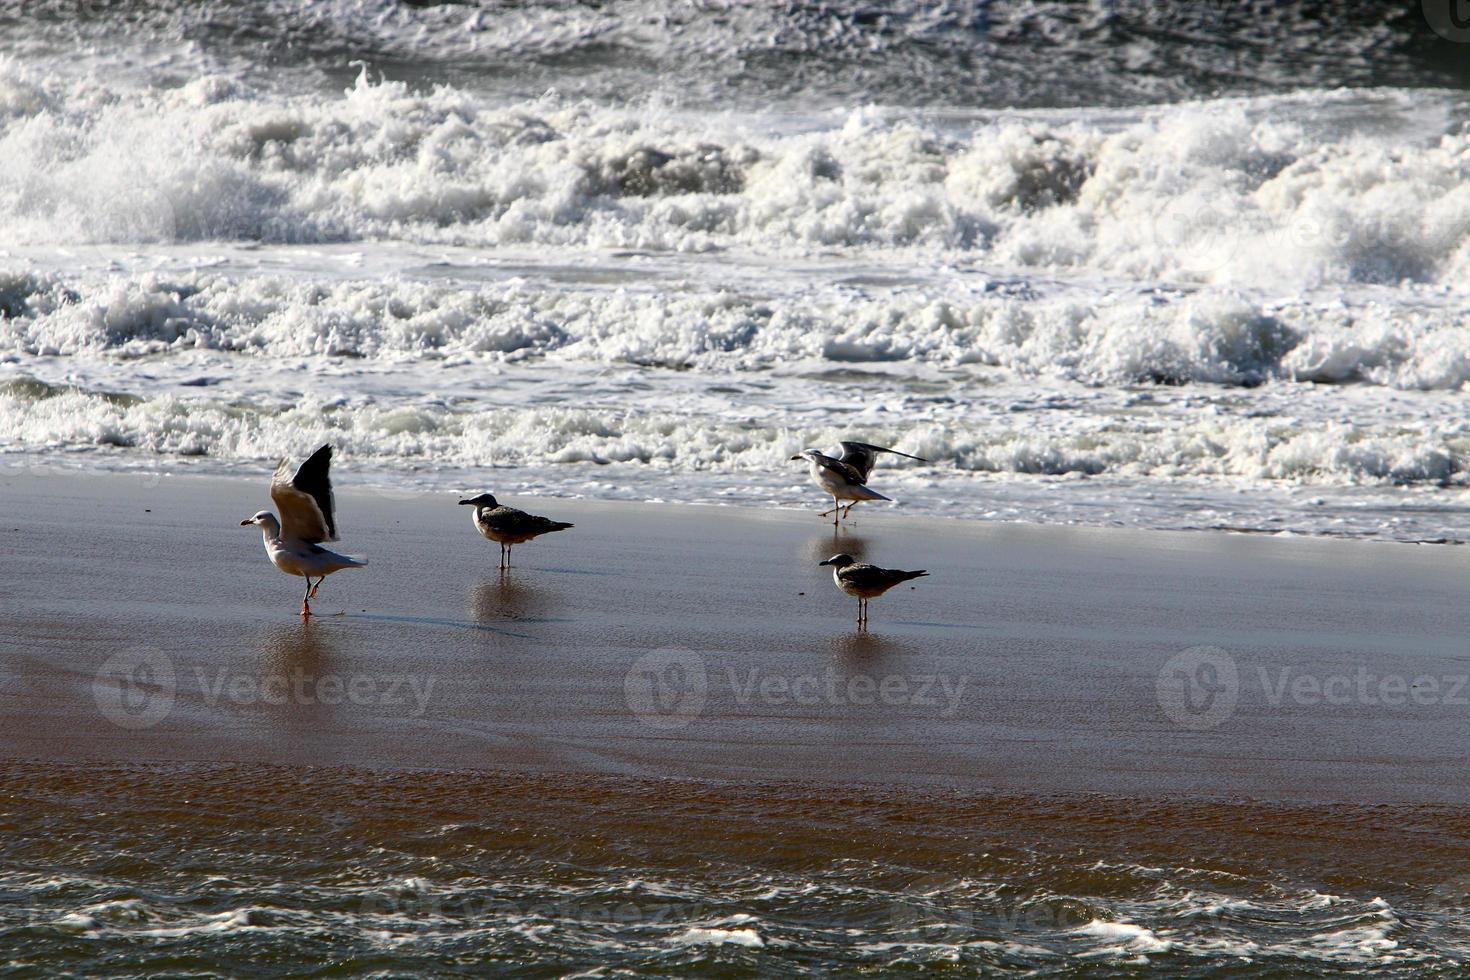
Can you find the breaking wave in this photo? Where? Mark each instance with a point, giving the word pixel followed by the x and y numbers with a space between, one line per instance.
pixel 1118 336
pixel 1223 192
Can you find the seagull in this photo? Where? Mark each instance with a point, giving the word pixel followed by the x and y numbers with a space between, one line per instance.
pixel 846 478
pixel 307 518
pixel 508 526
pixel 865 581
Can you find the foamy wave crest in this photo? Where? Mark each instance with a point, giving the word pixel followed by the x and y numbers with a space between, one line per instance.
pixel 1221 192
pixel 1120 336
pixel 44 417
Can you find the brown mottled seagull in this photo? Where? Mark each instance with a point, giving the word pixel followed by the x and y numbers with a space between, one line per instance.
pixel 865 581
pixel 508 526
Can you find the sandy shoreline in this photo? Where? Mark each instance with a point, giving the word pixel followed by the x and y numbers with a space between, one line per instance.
pixel 143 624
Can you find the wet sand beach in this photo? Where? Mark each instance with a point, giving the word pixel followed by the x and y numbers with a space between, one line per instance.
pixel 145 625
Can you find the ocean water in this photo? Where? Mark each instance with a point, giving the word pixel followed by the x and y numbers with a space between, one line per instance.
pixel 126 871
pixel 1196 265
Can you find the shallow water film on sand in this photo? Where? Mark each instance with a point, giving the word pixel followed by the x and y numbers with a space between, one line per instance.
pixel 1156 266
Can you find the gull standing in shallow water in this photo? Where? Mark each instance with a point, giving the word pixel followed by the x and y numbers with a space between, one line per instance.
pixel 846 478
pixel 865 581
pixel 507 526
pixel 307 518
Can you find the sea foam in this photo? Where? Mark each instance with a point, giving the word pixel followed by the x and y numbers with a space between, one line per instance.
pixel 1232 191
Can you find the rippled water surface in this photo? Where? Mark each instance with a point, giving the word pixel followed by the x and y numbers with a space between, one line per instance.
pixel 259 870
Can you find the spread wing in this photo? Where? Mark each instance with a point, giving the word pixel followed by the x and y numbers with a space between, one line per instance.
pixel 305 500
pixel 861 457
pixel 842 468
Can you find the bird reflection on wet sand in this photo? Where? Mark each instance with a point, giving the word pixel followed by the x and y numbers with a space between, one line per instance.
pixel 294 663
pixel 502 597
pixel 821 546
pixel 862 648
pixel 293 647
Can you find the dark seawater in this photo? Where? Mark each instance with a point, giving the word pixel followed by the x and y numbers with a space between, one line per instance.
pixel 911 53
pixel 258 871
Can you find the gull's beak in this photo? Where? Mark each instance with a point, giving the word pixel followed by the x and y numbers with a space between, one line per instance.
pixel 827 562
pixel 796 457
pixel 246 523
pixel 464 501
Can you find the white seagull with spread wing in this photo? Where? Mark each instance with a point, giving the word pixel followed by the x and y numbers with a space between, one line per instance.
pixel 307 518
pixel 846 478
